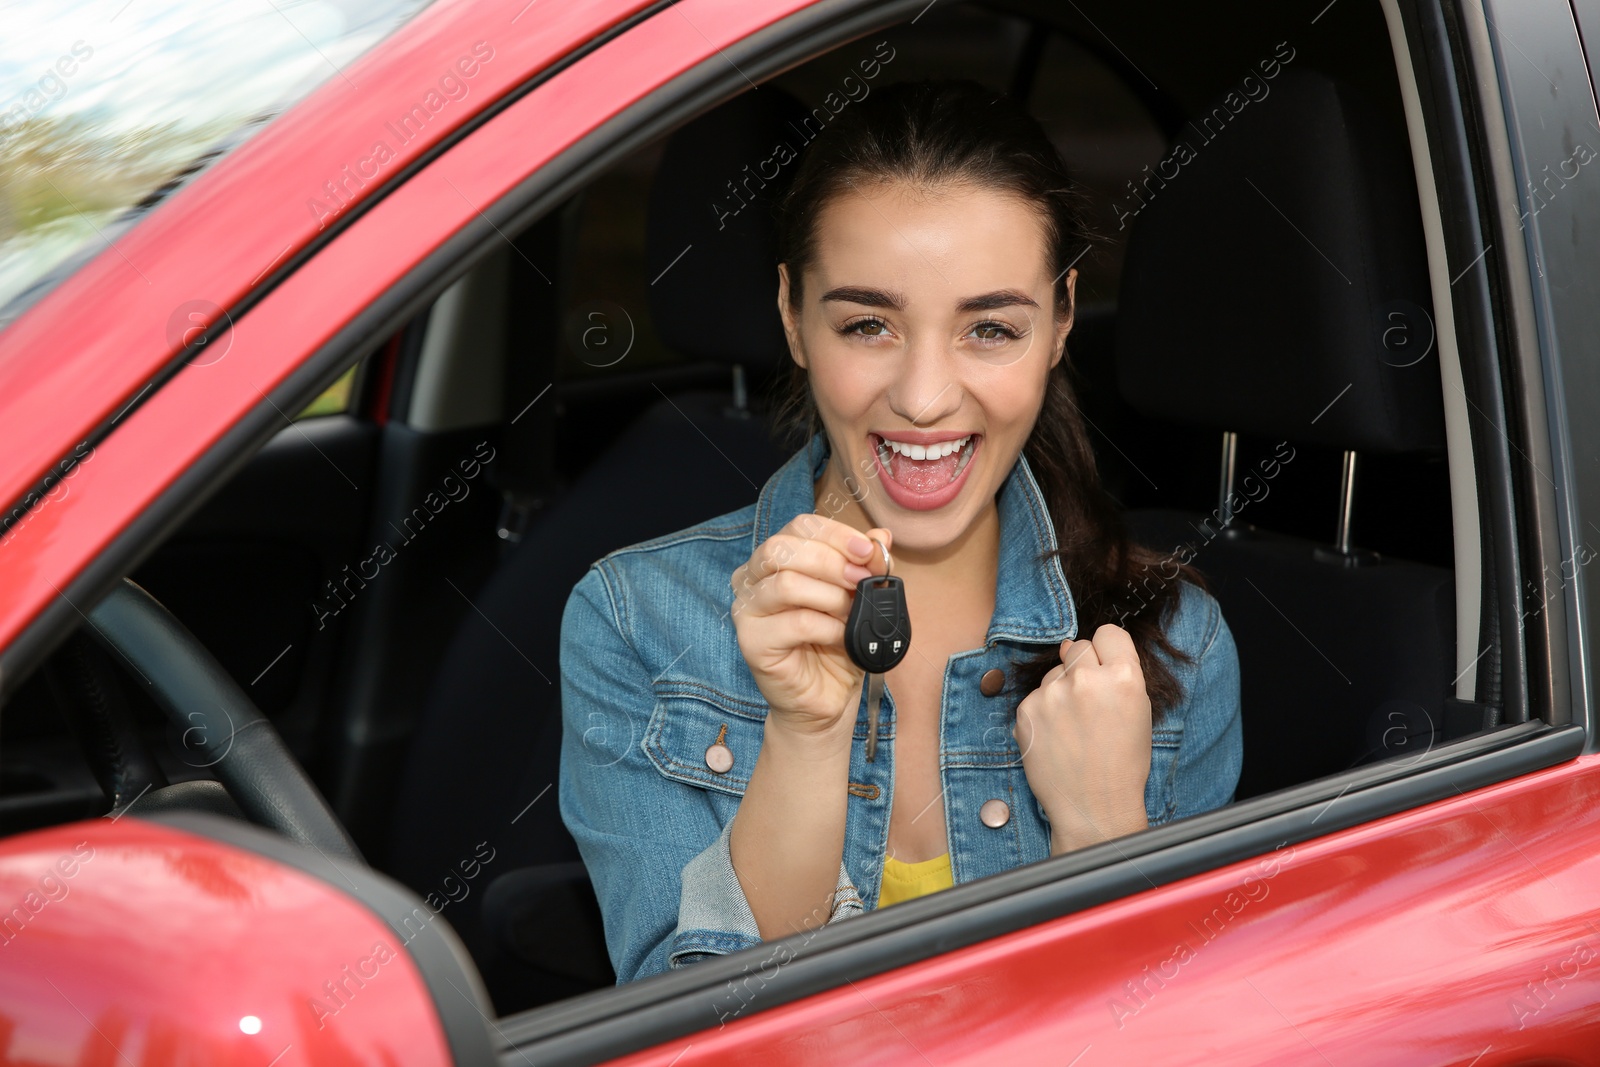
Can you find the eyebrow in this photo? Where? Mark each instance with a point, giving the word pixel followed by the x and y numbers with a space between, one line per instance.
pixel 888 298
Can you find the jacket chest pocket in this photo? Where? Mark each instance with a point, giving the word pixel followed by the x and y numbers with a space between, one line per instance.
pixel 703 737
pixel 1161 793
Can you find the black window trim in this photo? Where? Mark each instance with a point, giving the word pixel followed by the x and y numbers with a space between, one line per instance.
pixel 1502 364
pixel 613 1022
pixel 1538 317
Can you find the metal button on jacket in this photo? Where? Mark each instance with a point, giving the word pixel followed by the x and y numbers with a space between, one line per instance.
pixel 719 757
pixel 994 813
pixel 992 682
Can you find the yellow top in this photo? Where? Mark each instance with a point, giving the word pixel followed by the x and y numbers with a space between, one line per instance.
pixel 903 881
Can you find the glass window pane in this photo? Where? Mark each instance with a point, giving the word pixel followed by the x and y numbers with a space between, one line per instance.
pixel 335 399
pixel 103 114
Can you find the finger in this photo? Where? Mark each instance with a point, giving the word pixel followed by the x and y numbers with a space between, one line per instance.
pixel 801 627
pixel 1113 644
pixel 791 589
pixel 784 551
pixel 842 537
pixel 1077 652
pixel 856 545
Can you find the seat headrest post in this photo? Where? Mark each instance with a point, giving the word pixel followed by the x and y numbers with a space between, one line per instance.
pixel 1347 497
pixel 1342 553
pixel 740 408
pixel 1230 456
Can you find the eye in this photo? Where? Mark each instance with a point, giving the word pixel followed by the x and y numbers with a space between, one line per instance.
pixel 994 333
pixel 866 327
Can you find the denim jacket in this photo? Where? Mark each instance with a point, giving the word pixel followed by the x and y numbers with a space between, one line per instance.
pixel 652 677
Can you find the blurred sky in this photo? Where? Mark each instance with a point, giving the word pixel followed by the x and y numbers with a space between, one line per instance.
pixel 193 61
pixel 163 81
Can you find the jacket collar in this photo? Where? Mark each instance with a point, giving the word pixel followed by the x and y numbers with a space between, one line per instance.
pixel 1032 600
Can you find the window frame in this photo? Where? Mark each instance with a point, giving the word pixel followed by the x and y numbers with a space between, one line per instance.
pixel 1027 896
pixel 1465 139
pixel 1549 327
pixel 613 1022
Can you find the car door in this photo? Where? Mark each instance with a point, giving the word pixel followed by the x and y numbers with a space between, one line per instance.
pixel 1401 906
pixel 1360 915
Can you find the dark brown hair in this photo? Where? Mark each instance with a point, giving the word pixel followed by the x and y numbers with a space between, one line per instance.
pixel 937 132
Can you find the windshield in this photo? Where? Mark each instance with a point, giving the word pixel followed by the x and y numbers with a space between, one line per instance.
pixel 106 106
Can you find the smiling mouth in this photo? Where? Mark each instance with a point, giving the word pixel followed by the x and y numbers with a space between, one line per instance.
pixel 925 468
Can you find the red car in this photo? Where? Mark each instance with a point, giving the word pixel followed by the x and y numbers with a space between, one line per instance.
pixel 337 339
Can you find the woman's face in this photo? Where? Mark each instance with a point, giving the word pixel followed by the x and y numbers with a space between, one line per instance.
pixel 927 320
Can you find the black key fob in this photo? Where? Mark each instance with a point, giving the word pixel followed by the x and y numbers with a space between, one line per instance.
pixel 878 632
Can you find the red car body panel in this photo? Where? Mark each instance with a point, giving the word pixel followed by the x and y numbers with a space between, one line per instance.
pixel 1460 932
pixel 130 942
pixel 1463 932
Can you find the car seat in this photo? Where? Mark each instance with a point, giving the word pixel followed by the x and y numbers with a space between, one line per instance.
pixel 483 764
pixel 1276 285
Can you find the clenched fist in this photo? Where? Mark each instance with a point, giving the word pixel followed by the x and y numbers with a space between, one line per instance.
pixel 1085 737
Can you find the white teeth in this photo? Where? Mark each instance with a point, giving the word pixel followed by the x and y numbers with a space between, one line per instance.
pixel 925 452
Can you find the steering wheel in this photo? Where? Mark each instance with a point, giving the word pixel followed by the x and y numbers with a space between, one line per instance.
pixel 205 705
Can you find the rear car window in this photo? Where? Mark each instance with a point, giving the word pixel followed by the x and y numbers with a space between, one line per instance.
pixel 107 108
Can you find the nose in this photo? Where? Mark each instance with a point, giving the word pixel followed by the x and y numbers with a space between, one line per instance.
pixel 925 389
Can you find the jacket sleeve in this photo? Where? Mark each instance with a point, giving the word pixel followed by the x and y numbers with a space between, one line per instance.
pixel 1212 752
pixel 656 849
pixel 714 918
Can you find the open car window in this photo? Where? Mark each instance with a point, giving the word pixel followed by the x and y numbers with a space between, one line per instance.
pixel 1267 359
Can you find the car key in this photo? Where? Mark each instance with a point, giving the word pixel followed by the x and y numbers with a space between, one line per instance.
pixel 878 636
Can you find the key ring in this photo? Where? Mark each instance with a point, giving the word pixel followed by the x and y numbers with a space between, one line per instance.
pixel 888 564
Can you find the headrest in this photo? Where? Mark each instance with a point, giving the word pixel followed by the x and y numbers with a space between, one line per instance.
pixel 713 195
pixel 1276 278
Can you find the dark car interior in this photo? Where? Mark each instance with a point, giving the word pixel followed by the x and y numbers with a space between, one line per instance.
pixel 385 582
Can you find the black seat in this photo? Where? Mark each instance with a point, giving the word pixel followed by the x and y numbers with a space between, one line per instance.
pixel 488 744
pixel 1276 286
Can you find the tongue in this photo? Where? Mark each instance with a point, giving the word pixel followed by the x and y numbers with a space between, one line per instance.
pixel 923 475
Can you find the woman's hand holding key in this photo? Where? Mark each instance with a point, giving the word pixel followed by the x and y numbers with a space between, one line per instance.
pixel 791 601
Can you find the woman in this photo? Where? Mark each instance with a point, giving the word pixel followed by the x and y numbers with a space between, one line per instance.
pixel 1046 704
